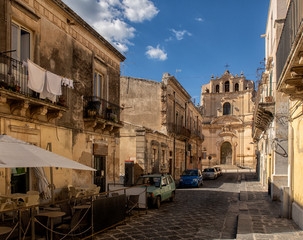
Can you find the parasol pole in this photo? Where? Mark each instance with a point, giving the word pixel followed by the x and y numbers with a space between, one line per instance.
pixel 52 184
pixel 49 148
pixel 7 183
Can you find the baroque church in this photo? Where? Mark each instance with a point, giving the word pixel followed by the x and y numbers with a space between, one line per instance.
pixel 227 105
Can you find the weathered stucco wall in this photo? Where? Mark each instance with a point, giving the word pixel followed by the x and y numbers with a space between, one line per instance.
pixel 298 156
pixel 141 100
pixel 64 44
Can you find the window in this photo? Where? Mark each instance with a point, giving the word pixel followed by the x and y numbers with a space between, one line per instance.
pixel 164 181
pixel 170 180
pixel 98 85
pixel 20 42
pixel 227 86
pixel 226 108
pixel 217 88
pixel 154 156
pixel 163 156
pixel 237 87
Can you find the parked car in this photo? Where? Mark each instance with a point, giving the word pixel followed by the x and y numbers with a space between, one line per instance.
pixel 191 178
pixel 210 173
pixel 160 187
pixel 219 171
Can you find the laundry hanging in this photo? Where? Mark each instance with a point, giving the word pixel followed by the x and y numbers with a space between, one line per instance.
pixel 68 83
pixel 36 77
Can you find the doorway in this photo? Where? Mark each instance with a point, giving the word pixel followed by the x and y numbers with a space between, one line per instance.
pixel 226 153
pixel 19 180
pixel 100 173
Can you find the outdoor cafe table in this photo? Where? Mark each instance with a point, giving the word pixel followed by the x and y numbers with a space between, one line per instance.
pixel 51 215
pixel 5 230
pixel 15 196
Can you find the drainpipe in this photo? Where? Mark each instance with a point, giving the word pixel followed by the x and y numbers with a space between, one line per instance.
pixel 185 124
pixel 174 156
pixel 197 145
pixel 290 166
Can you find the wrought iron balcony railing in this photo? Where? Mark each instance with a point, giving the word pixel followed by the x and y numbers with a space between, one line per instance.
pixel 98 107
pixel 179 130
pixel 14 77
pixel 292 24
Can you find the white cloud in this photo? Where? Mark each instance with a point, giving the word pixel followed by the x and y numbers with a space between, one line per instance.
pixel 199 19
pixel 108 17
pixel 179 35
pixel 139 10
pixel 156 53
pixel 116 31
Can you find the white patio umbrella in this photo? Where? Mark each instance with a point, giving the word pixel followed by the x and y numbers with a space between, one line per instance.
pixel 15 153
pixel 43 183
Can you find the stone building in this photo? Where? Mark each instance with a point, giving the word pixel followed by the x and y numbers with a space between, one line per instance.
pixel 227 105
pixel 270 128
pixel 83 123
pixel 162 128
pixel 289 75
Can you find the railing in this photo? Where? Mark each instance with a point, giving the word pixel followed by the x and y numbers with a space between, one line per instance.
pixel 197 134
pixel 290 29
pixel 179 130
pixel 14 75
pixel 98 107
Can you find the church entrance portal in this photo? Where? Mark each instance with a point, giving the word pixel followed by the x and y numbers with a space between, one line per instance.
pixel 226 153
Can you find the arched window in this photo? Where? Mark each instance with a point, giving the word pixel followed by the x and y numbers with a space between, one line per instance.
pixel 237 87
pixel 227 86
pixel 217 88
pixel 226 108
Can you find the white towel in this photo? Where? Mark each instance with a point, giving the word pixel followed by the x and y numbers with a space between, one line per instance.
pixel 45 94
pixel 71 84
pixel 52 87
pixel 53 83
pixel 36 77
pixel 68 82
pixel 65 81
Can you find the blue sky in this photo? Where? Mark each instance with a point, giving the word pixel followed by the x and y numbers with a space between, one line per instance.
pixel 190 39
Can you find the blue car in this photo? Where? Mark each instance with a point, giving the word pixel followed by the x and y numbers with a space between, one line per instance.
pixel 191 178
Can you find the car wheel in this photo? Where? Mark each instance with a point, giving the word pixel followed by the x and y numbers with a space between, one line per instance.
pixel 172 198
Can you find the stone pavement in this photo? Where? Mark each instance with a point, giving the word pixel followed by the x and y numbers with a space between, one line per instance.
pixel 259 216
pixel 234 206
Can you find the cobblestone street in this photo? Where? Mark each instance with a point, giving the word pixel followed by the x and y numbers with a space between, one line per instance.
pixel 205 213
pixel 211 212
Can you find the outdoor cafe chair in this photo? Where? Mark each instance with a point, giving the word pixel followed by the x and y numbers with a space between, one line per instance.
pixel 6 206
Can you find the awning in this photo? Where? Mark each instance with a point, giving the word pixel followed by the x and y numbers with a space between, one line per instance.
pixel 15 153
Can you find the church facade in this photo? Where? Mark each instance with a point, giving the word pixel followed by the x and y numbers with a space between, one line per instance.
pixel 227 105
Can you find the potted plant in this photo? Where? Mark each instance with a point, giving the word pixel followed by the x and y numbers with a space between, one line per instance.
pixel 91 109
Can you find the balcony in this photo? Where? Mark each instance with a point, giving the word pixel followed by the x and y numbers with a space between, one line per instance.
pixel 101 115
pixel 264 110
pixel 180 132
pixel 290 52
pixel 17 99
pixel 197 134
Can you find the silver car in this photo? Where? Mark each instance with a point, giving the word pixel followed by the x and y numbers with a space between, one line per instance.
pixel 210 173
